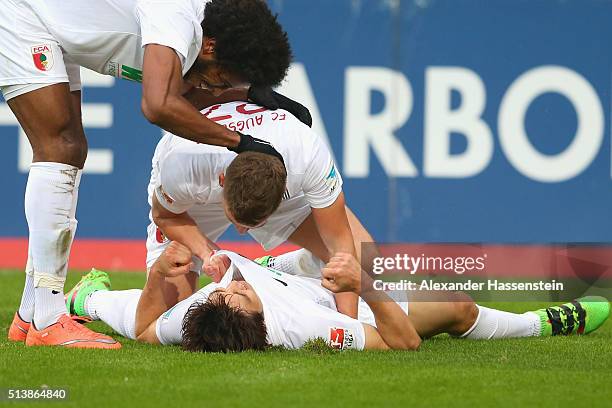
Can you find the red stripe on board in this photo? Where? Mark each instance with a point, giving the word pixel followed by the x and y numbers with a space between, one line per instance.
pixel 553 261
pixel 122 255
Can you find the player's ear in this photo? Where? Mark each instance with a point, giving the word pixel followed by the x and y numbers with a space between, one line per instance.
pixel 208 46
pixel 221 179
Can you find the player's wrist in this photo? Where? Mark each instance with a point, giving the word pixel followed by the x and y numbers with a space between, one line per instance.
pixel 158 270
pixel 243 142
pixel 366 288
pixel 235 139
pixel 202 250
pixel 249 143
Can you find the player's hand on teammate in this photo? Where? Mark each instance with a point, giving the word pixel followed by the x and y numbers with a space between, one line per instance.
pixel 268 98
pixel 175 260
pixel 216 266
pixel 251 144
pixel 342 274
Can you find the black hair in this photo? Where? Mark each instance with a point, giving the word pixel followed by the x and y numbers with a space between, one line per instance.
pixel 215 326
pixel 249 40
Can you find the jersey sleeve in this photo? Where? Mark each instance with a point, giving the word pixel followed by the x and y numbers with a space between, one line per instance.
pixel 170 23
pixel 322 181
pixel 170 324
pixel 175 190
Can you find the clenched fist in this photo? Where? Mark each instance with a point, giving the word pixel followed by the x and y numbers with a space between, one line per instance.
pixel 174 261
pixel 342 274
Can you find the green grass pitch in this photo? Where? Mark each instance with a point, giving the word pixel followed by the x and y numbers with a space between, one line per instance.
pixel 575 371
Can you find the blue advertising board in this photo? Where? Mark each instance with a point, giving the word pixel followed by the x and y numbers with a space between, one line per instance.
pixel 466 120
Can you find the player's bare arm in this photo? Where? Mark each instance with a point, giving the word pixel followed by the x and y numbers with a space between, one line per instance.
pixel 164 105
pixel 343 274
pixel 182 228
pixel 174 261
pixel 333 226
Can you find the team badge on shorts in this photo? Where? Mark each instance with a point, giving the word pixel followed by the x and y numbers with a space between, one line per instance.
pixel 340 338
pixel 43 57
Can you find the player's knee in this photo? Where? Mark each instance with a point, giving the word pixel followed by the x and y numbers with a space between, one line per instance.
pixel 75 143
pixel 67 145
pixel 465 314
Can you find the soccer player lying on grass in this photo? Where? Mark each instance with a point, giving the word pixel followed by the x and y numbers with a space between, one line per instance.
pixel 197 191
pixel 254 307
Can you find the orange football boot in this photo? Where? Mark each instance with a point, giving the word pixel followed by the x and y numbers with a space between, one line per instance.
pixel 68 333
pixel 19 329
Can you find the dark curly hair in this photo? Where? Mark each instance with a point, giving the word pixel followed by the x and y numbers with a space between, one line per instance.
pixel 249 40
pixel 214 326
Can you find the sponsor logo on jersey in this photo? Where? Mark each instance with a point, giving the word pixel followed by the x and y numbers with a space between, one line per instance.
pixel 164 195
pixel 280 281
pixel 160 237
pixel 113 68
pixel 332 179
pixel 43 57
pixel 286 195
pixel 340 338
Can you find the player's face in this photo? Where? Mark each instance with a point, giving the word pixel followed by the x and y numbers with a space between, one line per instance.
pixel 241 295
pixel 212 77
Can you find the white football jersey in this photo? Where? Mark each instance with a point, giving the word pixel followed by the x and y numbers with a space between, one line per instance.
pixel 296 309
pixel 108 36
pixel 186 174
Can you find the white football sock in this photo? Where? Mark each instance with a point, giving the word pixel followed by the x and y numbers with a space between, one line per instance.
pixel 50 207
pixel 49 307
pixel 26 308
pixel 497 324
pixel 300 263
pixel 117 308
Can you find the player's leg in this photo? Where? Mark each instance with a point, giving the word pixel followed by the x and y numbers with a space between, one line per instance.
pixel 92 298
pixel 433 313
pixel 25 313
pixel 50 118
pixel 456 314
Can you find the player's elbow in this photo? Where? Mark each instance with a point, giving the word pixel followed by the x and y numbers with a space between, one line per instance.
pixel 144 337
pixel 155 111
pixel 139 334
pixel 413 343
pixel 146 334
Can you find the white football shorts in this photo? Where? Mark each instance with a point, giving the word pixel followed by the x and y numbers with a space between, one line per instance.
pixel 30 58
